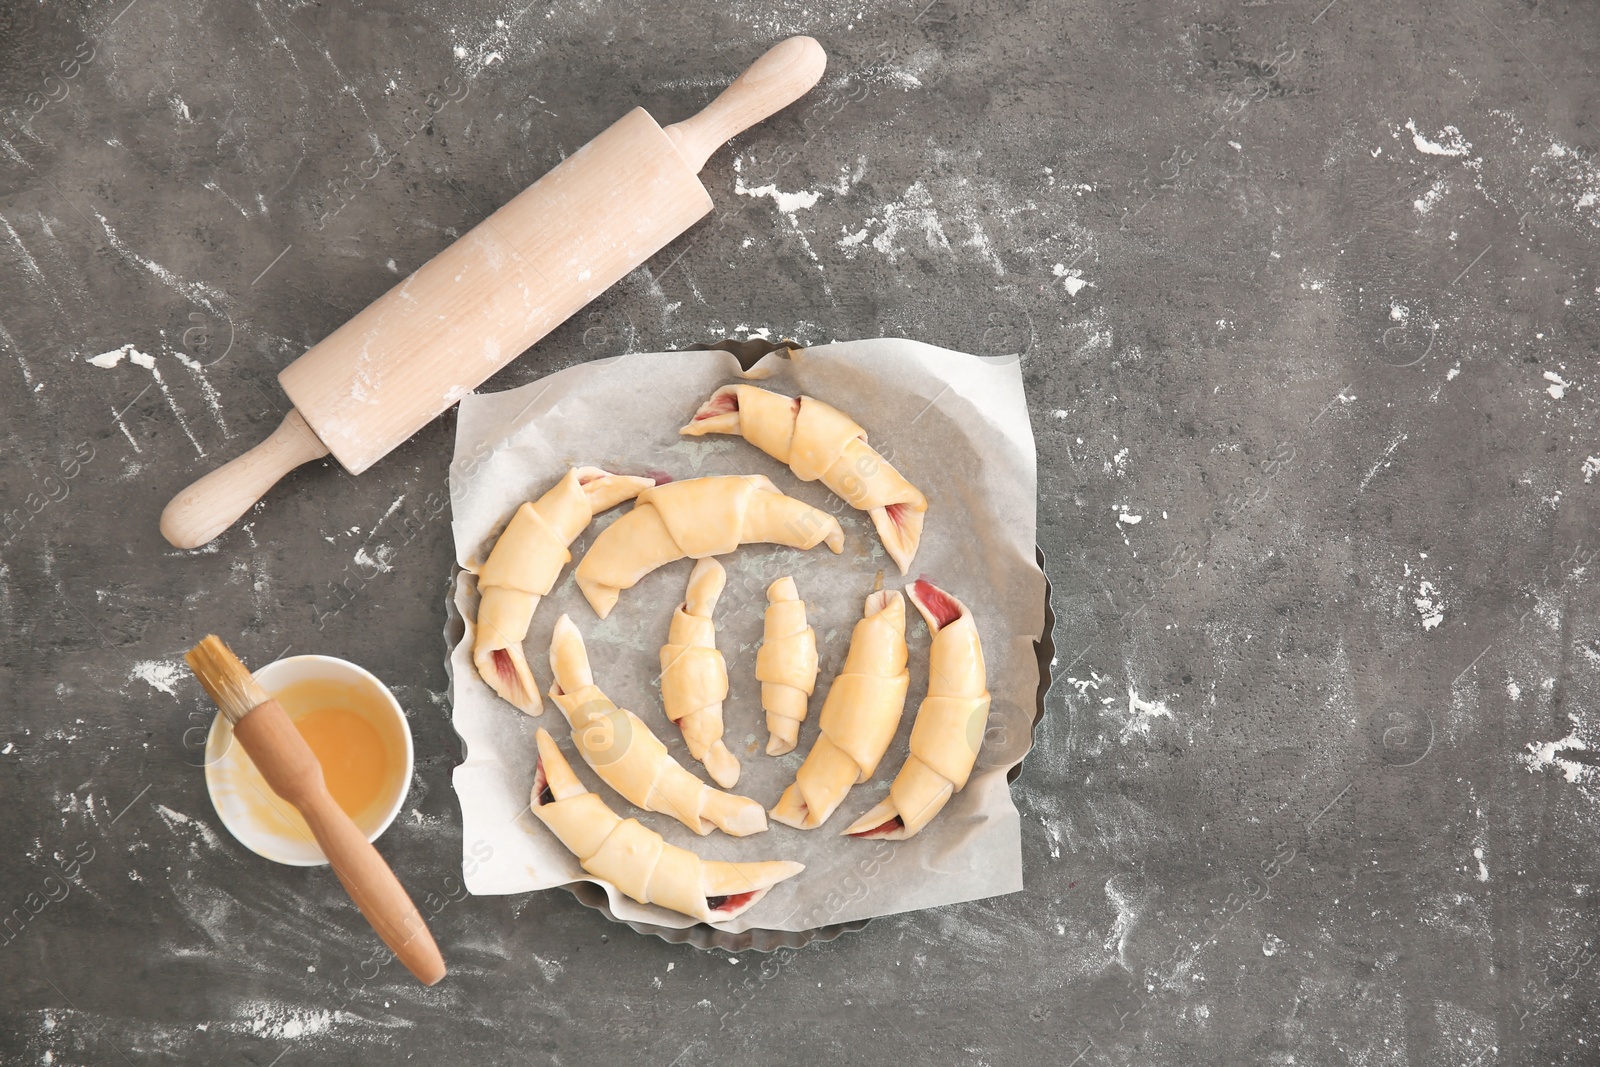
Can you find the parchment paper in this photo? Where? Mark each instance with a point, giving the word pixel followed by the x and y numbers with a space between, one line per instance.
pixel 955 425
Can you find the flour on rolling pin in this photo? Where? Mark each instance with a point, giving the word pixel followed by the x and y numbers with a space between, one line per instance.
pixel 487 298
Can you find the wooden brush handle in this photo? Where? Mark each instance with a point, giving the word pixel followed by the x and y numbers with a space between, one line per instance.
pixel 291 769
pixel 783 75
pixel 213 503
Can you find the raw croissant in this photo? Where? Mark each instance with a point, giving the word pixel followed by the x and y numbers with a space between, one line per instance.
pixel 818 440
pixel 858 718
pixel 634 858
pixel 697 518
pixel 694 677
pixel 786 665
pixel 523 566
pixel 631 759
pixel 949 726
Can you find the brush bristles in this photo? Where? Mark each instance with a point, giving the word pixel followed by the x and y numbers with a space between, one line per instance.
pixel 232 687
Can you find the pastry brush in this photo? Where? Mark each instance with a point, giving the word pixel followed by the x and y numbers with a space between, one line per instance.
pixel 291 769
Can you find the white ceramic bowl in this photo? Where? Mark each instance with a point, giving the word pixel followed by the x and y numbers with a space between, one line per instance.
pixel 261 820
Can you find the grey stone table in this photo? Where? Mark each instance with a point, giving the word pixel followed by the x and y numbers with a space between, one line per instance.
pixel 1306 302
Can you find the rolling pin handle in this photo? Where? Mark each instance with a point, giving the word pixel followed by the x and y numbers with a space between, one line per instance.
pixel 216 501
pixel 787 71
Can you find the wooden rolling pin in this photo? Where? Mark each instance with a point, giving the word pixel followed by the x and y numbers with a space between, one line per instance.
pixel 486 299
pixel 290 767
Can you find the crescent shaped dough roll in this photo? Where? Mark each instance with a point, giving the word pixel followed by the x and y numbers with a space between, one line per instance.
pixel 694 677
pixel 786 665
pixel 818 441
pixel 697 518
pixel 949 727
pixel 635 858
pixel 858 718
pixel 523 567
pixel 629 758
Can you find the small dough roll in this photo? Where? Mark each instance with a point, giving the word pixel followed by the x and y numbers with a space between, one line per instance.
pixel 786 666
pixel 820 442
pixel 694 677
pixel 637 860
pixel 697 518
